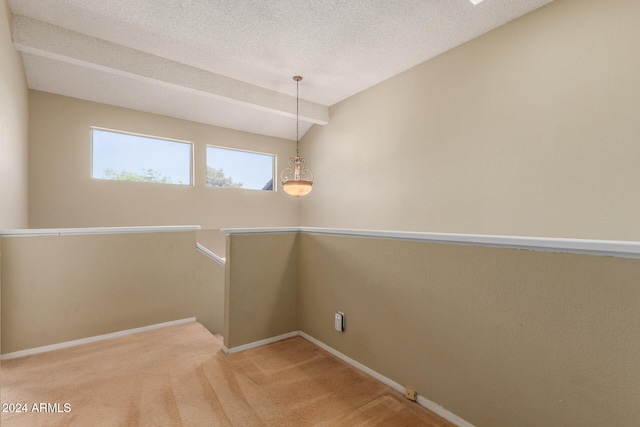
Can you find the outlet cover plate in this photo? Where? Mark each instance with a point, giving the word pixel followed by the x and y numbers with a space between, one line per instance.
pixel 339 321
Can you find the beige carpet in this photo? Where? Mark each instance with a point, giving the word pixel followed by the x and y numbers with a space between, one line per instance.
pixel 179 376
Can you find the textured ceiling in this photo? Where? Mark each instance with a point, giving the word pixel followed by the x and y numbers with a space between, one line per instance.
pixel 230 63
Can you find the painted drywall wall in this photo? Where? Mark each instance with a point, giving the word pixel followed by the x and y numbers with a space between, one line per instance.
pixel 14 118
pixel 213 240
pixel 261 283
pixel 63 194
pixel 499 337
pixel 63 288
pixel 208 293
pixel 532 129
pixel 0 300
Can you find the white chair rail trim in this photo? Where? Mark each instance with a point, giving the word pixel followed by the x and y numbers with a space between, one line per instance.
pixel 96 230
pixel 615 248
pixel 210 254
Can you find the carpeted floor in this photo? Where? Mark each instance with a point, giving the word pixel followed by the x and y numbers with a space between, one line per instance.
pixel 179 376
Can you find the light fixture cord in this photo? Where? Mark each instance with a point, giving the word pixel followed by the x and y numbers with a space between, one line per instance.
pixel 297 116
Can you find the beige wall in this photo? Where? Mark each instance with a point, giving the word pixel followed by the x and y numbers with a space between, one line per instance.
pixel 261 287
pixel 499 337
pixel 13 130
pixel 213 240
pixel 63 288
pixel 208 293
pixel 0 301
pixel 532 129
pixel 62 193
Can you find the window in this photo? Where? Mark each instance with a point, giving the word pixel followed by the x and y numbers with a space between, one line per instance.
pixel 127 157
pixel 230 168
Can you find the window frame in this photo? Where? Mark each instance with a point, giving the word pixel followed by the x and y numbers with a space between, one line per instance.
pixel 274 167
pixel 142 135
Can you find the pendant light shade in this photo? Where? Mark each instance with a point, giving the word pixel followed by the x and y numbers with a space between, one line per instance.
pixel 297 179
pixel 297 186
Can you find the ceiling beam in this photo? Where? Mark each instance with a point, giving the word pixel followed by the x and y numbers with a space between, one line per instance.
pixel 39 38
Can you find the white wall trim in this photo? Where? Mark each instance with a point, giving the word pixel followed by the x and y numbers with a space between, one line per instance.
pixel 74 343
pixel 210 254
pixel 615 248
pixel 96 230
pixel 423 401
pixel 260 343
pixel 261 230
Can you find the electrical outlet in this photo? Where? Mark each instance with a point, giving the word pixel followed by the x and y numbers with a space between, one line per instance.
pixel 339 321
pixel 410 394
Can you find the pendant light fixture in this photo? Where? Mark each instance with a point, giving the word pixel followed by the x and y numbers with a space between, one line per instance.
pixel 296 179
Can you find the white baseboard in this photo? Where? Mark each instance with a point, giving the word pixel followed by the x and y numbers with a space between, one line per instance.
pixel 259 343
pixel 74 343
pixel 422 401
